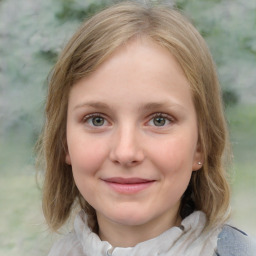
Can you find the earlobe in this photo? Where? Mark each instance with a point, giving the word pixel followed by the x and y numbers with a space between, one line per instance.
pixel 197 165
pixel 198 162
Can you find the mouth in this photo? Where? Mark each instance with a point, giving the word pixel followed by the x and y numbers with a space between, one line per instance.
pixel 128 185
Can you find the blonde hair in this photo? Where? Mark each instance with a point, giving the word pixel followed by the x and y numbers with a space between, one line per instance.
pixel 96 39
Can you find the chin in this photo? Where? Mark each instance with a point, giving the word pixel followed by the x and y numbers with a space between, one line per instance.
pixel 130 219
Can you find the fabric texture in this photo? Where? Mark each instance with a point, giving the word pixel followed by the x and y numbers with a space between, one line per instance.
pixel 234 242
pixel 188 239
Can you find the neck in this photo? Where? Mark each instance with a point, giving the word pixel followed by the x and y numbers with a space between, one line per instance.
pixel 119 235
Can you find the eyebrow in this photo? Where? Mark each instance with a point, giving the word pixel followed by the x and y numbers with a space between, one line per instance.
pixel 147 107
pixel 92 104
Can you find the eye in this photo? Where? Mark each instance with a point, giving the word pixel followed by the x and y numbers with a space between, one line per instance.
pixel 95 120
pixel 160 119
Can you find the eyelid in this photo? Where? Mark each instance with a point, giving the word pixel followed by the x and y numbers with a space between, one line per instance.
pixel 164 115
pixel 86 117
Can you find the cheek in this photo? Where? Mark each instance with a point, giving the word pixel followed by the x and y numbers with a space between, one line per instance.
pixel 175 155
pixel 86 160
pixel 86 157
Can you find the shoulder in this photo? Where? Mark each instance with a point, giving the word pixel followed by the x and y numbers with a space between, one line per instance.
pixel 232 241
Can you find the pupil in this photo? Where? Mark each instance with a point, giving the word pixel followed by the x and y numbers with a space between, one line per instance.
pixel 159 121
pixel 98 121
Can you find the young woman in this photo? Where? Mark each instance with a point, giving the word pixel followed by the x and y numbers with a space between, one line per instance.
pixel 135 138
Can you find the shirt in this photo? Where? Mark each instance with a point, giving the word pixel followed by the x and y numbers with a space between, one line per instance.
pixel 189 239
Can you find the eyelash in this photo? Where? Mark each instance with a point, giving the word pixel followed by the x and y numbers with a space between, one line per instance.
pixel 95 115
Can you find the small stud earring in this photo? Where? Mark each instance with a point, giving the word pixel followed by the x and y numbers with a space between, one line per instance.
pixel 199 163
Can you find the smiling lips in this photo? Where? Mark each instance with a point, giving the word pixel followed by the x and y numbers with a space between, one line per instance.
pixel 128 185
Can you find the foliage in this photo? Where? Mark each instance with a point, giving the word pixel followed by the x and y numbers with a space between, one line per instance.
pixel 230 97
pixel 46 26
pixel 72 10
pixel 231 41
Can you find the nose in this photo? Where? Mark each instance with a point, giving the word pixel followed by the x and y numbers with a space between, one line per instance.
pixel 127 149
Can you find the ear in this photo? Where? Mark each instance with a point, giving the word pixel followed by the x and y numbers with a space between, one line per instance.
pixel 67 156
pixel 198 158
pixel 68 159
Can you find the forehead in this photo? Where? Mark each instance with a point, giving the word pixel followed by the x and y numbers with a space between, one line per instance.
pixel 149 52
pixel 140 69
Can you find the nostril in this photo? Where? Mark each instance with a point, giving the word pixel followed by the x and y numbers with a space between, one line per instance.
pixel 126 163
pixel 131 163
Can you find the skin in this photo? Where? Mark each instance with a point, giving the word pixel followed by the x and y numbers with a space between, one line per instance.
pixel 134 119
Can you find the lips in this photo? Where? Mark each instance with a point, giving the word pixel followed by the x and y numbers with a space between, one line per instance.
pixel 128 185
pixel 127 180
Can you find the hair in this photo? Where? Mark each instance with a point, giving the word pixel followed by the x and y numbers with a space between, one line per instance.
pixel 90 46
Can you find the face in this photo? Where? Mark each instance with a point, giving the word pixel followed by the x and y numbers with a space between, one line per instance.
pixel 132 136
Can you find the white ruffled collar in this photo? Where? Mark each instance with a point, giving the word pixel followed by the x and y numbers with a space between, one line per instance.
pixel 188 239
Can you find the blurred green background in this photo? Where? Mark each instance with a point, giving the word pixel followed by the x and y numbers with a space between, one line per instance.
pixel 32 33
